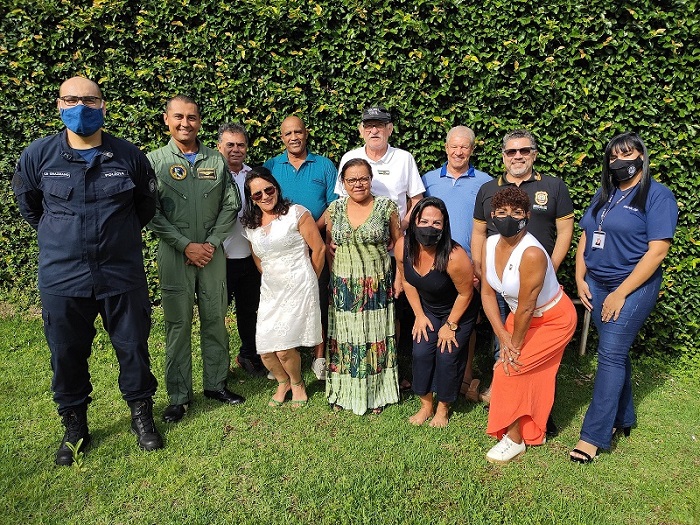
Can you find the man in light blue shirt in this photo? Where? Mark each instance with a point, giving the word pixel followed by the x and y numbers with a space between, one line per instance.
pixel 457 182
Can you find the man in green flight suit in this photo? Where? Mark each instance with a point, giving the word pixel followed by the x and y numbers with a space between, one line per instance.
pixel 195 211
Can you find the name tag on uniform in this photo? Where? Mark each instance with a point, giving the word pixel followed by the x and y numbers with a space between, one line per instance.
pixel 598 240
pixel 114 173
pixel 206 173
pixel 382 172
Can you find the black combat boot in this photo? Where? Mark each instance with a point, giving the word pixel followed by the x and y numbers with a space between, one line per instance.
pixel 143 426
pixel 75 421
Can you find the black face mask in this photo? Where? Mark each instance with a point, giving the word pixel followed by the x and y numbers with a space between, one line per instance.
pixel 622 170
pixel 508 226
pixel 428 235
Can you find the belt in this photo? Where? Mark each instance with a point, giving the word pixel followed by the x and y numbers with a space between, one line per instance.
pixel 551 304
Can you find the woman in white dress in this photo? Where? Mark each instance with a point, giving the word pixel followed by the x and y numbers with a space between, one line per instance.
pixel 281 235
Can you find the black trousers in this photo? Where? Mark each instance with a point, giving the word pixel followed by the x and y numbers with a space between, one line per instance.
pixel 69 327
pixel 442 372
pixel 243 283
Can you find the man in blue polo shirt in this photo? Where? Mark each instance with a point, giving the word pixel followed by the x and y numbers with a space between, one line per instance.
pixel 457 182
pixel 307 179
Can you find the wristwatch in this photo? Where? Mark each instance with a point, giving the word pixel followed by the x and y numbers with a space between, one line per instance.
pixel 452 326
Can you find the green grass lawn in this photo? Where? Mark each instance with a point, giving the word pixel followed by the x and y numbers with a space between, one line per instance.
pixel 255 464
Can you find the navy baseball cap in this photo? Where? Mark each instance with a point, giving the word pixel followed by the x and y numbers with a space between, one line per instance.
pixel 378 113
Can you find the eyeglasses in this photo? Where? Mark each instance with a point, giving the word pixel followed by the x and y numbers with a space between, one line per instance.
pixel 91 101
pixel 270 190
pixel 525 152
pixel 369 125
pixel 518 215
pixel 359 181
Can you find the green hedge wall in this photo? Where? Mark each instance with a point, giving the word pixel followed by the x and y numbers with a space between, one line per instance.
pixel 575 73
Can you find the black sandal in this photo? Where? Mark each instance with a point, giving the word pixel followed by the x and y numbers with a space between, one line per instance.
pixel 587 458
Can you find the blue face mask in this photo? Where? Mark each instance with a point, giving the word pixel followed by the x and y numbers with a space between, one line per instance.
pixel 83 120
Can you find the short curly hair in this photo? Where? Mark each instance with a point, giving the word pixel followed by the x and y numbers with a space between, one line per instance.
pixel 511 196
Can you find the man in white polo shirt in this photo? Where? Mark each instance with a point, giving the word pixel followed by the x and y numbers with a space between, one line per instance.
pixel 395 171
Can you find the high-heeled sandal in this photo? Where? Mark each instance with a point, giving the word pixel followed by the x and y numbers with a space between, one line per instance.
pixel 273 402
pixel 587 458
pixel 626 431
pixel 299 403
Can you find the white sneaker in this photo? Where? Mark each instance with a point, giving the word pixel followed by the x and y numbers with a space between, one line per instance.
pixel 505 450
pixel 270 375
pixel 318 367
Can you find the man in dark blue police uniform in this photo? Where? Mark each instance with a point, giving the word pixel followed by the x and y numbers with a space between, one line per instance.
pixel 88 194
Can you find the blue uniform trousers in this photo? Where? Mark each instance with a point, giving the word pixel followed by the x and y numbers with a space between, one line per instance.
pixel 69 326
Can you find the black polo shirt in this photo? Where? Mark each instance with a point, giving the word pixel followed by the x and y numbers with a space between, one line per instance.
pixel 549 202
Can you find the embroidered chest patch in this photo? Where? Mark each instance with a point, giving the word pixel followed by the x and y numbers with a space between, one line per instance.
pixel 206 173
pixel 178 172
pixel 541 199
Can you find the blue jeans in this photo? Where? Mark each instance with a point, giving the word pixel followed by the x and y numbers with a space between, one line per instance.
pixel 612 404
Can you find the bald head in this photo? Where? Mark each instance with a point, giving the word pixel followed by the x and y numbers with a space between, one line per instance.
pixel 292 121
pixel 459 146
pixel 294 136
pixel 79 87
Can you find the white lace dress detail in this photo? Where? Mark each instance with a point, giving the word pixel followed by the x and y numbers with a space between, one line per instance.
pixel 289 315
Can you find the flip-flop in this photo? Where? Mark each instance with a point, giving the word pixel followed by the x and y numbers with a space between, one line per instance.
pixel 485 397
pixel 472 393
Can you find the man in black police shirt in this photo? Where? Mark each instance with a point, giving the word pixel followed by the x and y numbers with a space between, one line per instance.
pixel 88 194
pixel 552 212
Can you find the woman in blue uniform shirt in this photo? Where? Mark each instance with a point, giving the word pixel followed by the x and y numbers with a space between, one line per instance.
pixel 627 232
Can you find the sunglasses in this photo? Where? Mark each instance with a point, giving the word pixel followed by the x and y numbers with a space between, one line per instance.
pixel 270 190
pixel 525 152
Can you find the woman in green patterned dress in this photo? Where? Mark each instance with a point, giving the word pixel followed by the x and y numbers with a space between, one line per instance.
pixel 361 347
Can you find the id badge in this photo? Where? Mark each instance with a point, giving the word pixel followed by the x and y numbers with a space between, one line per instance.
pixel 598 240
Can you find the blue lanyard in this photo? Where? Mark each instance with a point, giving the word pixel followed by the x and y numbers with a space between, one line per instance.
pixel 610 207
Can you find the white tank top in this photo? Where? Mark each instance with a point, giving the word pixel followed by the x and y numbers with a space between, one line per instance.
pixel 510 285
